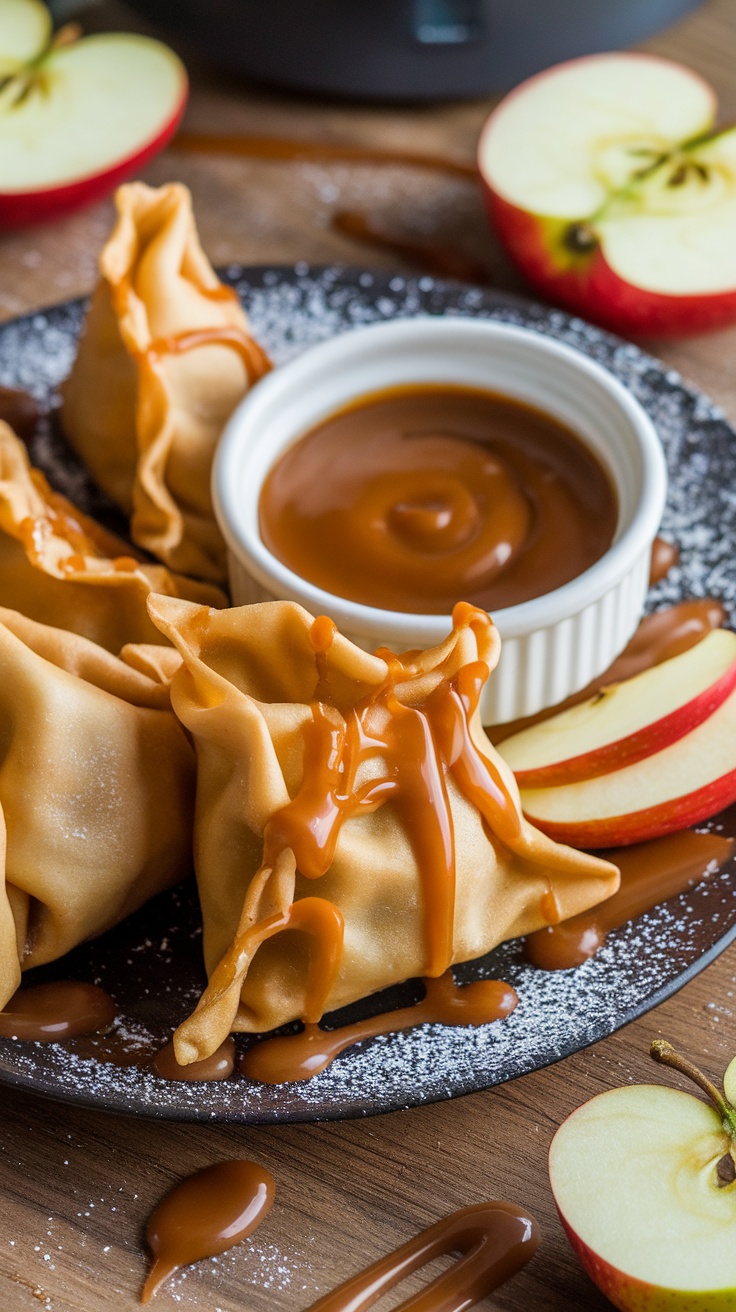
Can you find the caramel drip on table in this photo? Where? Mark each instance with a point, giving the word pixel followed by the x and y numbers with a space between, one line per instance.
pixel 204 1215
pixel 495 1241
pixel 650 873
pixel 49 1013
pixel 296 1057
pixel 218 1066
pixel 288 148
pixel 438 258
pixel 659 637
pixel 253 356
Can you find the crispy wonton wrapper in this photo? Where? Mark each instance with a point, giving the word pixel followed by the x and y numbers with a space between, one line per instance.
pixel 96 790
pixel 60 567
pixel 165 357
pixel 250 691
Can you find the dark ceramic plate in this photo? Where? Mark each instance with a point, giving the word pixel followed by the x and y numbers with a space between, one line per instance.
pixel 151 963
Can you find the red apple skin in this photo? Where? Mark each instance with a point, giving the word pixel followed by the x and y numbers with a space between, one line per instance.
pixel 20 209
pixel 645 742
pixel 639 826
pixel 632 1295
pixel 587 285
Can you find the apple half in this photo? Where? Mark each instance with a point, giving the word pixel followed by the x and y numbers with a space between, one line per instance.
pixel 614 193
pixel 688 781
pixel 634 1173
pixel 77 115
pixel 627 721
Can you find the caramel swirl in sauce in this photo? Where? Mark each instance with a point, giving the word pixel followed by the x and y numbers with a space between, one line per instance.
pixel 295 1057
pixel 412 497
pixel 650 873
pixel 218 1066
pixel 49 1013
pixel 495 1241
pixel 204 1215
pixel 660 636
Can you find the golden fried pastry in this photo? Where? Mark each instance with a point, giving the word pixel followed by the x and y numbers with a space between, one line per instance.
pixel 59 567
pixel 96 791
pixel 165 357
pixel 354 825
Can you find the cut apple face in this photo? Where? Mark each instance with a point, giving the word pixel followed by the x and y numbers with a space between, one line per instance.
pixel 687 782
pixel 78 115
pixel 634 1173
pixel 614 194
pixel 627 721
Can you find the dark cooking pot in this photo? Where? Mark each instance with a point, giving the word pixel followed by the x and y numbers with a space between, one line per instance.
pixel 405 49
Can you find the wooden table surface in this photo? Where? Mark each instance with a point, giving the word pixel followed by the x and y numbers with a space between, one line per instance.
pixel 76 1187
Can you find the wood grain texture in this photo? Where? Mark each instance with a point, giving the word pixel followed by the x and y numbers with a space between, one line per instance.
pixel 76 1187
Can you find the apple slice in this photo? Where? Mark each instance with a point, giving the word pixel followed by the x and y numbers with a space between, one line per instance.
pixel 78 116
pixel 643 1181
pixel 26 31
pixel 614 195
pixel 683 784
pixel 627 721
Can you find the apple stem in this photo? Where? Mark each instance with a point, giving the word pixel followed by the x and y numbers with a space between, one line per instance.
pixel 66 36
pixel 661 1051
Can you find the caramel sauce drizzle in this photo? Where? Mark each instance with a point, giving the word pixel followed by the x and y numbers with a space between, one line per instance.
pixel 650 873
pixel 438 258
pixel 204 1215
pixel 289 148
pixel 50 1013
pixel 253 356
pixel 495 1240
pixel 665 555
pixel 296 1057
pixel 418 745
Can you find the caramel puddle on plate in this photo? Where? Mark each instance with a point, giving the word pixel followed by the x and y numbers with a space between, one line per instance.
pixel 495 1240
pixel 216 1067
pixel 293 1057
pixel 204 1215
pixel 50 1013
pixel 650 873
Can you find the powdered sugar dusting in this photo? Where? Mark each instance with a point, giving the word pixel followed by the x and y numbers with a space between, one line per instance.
pixel 152 963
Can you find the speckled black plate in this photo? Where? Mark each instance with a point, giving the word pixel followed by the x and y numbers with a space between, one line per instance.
pixel 151 964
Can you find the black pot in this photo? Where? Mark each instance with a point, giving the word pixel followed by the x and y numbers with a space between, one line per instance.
pixel 405 49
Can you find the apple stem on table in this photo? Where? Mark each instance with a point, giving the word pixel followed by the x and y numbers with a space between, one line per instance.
pixel 661 1051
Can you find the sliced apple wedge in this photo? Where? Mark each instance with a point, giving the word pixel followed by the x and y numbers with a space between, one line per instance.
pixel 627 721
pixel 77 116
pixel 614 194
pixel 685 783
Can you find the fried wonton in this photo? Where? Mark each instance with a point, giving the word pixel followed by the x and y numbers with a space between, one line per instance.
pixel 59 567
pixel 354 826
pixel 165 357
pixel 96 790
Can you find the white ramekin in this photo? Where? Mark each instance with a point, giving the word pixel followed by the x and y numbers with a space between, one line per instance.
pixel 552 645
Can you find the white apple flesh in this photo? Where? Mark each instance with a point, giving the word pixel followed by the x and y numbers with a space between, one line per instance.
pixel 614 196
pixel 634 1177
pixel 627 721
pixel 679 786
pixel 78 118
pixel 26 29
